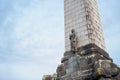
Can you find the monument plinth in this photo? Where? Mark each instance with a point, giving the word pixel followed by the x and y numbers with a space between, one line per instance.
pixel 85 56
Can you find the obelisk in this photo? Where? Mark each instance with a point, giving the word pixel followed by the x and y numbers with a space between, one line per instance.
pixel 83 17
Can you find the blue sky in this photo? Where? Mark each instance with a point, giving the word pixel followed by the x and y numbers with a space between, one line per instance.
pixel 32 36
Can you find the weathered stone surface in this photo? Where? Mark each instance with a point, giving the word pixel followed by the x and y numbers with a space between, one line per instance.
pixel 73 64
pixel 47 77
pixel 90 65
pixel 92 48
pixel 61 70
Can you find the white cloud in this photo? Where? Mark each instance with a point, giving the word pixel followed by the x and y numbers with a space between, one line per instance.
pixel 36 40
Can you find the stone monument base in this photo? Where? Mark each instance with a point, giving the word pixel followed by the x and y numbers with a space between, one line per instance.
pixel 89 62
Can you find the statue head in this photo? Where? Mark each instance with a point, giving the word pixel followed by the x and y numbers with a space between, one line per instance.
pixel 72 31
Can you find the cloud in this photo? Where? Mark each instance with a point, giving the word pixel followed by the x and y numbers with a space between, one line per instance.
pixel 34 40
pixel 21 71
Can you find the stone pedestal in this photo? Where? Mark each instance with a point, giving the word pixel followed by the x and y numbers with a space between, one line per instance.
pixel 89 62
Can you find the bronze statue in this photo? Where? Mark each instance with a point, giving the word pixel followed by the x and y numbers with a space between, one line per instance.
pixel 73 40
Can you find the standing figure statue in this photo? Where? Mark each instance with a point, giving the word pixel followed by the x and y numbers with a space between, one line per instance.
pixel 72 38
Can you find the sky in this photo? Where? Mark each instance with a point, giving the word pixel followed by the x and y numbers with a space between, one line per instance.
pixel 32 36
